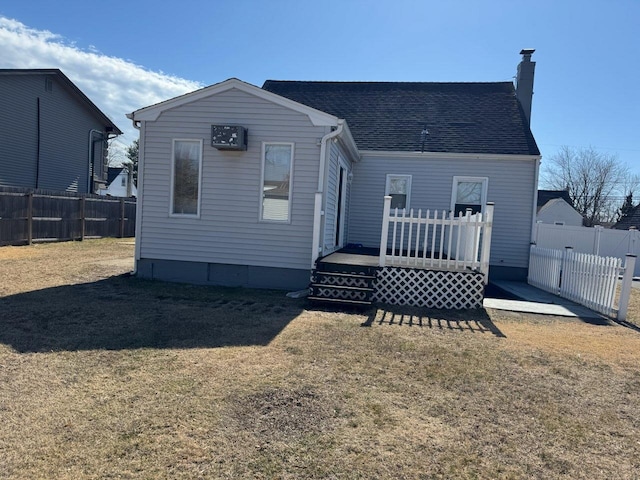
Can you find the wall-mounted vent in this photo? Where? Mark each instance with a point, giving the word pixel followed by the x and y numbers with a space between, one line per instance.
pixel 229 137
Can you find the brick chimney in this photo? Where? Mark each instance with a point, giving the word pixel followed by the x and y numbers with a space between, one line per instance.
pixel 524 81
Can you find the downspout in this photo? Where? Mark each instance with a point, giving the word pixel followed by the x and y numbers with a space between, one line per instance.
pixel 38 144
pixel 323 152
pixel 137 125
pixel 91 132
pixel 317 216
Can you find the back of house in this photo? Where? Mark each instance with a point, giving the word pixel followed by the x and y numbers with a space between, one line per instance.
pixel 247 186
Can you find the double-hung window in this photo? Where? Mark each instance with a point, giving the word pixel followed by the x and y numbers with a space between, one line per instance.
pixel 186 172
pixel 468 193
pixel 399 189
pixel 277 171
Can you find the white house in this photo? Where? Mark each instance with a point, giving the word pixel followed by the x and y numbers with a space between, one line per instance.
pixel 555 208
pixel 119 183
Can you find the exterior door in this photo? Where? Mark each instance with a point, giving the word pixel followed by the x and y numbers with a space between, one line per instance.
pixel 340 206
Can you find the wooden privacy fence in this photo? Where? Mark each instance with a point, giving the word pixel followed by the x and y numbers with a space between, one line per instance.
pixel 440 241
pixel 36 216
pixel 589 280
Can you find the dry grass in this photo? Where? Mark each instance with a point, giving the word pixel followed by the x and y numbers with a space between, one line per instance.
pixel 108 376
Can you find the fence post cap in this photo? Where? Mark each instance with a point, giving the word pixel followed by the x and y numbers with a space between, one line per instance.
pixel 631 255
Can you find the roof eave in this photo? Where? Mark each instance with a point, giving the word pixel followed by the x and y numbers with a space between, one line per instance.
pixel 449 155
pixel 152 112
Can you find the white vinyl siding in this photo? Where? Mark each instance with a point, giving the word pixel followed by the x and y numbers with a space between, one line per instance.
pixel 510 187
pixel 229 229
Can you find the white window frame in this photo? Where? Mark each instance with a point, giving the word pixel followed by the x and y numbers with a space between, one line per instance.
pixel 459 179
pixel 261 198
pixel 387 187
pixel 173 161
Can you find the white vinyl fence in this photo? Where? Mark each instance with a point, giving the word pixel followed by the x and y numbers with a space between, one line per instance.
pixel 595 240
pixel 589 280
pixel 436 240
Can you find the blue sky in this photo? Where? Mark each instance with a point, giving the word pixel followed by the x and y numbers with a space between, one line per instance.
pixel 126 55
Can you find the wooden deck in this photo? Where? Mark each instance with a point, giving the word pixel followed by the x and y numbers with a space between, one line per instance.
pixel 351 259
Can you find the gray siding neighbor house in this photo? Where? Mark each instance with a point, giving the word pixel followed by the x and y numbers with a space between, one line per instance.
pixel 53 136
pixel 304 167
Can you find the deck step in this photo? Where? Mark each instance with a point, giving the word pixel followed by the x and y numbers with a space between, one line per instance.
pixel 345 275
pixel 343 284
pixel 343 287
pixel 340 300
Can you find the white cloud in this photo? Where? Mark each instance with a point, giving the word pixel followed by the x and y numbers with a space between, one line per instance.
pixel 115 85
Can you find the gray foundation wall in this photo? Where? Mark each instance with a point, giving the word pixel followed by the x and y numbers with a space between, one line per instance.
pixel 220 274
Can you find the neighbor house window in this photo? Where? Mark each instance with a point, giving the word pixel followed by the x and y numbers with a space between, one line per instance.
pixel 186 170
pixel 468 193
pixel 123 181
pixel 277 169
pixel 399 189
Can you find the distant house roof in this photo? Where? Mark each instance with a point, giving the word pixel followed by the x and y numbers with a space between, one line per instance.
pixel 112 174
pixel 484 118
pixel 545 196
pixel 70 86
pixel 631 220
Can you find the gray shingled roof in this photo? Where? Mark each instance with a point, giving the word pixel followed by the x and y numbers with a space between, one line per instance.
pixel 112 173
pixel 390 116
pixel 631 220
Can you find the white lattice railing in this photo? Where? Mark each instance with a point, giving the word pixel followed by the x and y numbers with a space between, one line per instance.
pixel 589 280
pixel 436 239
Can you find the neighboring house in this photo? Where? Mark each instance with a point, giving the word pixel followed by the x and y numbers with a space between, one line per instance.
pixel 237 213
pixel 53 136
pixel 119 183
pixel 632 220
pixel 555 207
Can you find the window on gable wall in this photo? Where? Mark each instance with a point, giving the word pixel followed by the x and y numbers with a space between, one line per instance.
pixel 185 188
pixel 468 193
pixel 399 189
pixel 277 168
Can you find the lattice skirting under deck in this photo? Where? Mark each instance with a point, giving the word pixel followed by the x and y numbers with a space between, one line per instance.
pixel 429 288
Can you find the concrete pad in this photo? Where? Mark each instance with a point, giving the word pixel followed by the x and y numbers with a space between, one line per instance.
pixel 534 300
pixel 539 308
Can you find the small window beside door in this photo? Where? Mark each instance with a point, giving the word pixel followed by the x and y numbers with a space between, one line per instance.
pixel 399 189
pixel 468 193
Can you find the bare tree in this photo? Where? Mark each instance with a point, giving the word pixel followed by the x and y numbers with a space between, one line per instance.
pixel 114 154
pixel 595 181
